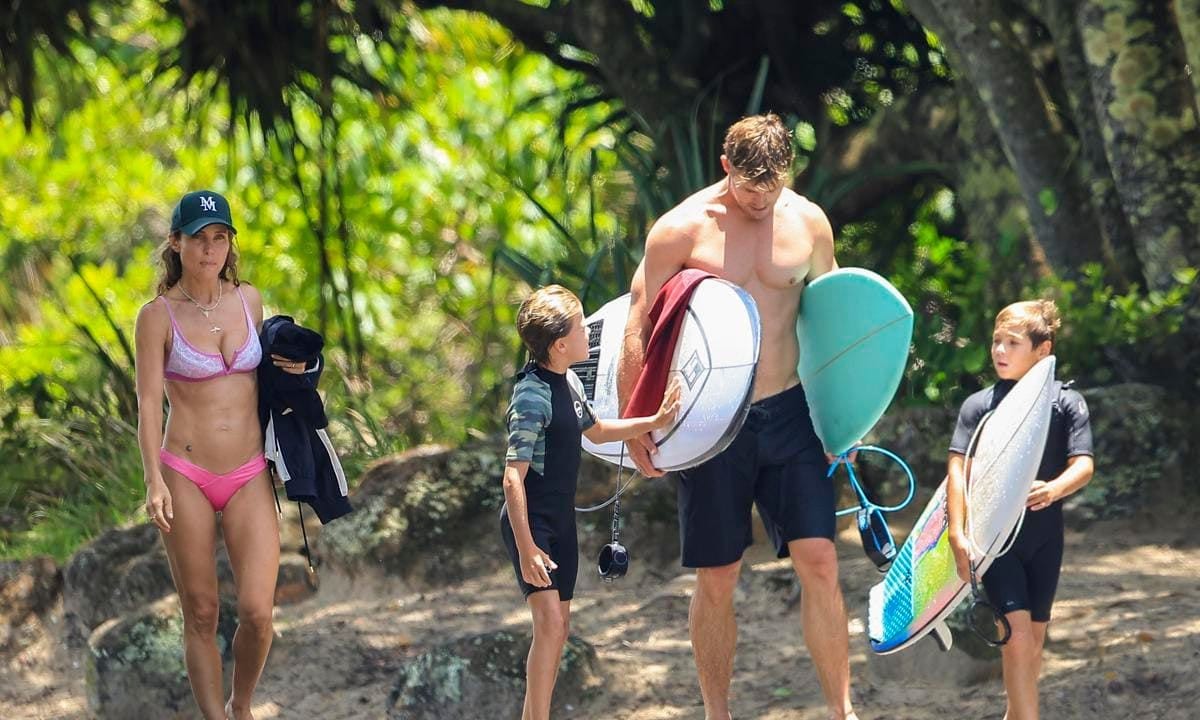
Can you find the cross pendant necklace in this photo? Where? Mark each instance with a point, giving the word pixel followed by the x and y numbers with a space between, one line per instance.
pixel 213 327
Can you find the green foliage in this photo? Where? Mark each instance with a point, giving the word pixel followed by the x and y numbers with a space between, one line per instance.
pixel 1106 335
pixel 944 278
pixel 1105 332
pixel 402 201
pixel 385 223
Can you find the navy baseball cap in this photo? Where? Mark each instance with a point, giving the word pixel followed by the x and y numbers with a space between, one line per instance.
pixel 198 209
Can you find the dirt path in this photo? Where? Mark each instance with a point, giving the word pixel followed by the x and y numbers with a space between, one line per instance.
pixel 1125 642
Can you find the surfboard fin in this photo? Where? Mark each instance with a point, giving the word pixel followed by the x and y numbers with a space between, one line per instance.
pixel 941 633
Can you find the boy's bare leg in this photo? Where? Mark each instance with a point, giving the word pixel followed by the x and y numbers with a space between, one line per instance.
pixel 551 623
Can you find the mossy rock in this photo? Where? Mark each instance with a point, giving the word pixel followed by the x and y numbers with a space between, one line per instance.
pixel 431 517
pixel 483 677
pixel 119 571
pixel 1141 437
pixel 425 516
pixel 134 664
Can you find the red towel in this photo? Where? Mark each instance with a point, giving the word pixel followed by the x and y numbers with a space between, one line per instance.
pixel 666 319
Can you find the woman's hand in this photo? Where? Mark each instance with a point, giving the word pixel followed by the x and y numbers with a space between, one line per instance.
pixel 158 504
pixel 288 365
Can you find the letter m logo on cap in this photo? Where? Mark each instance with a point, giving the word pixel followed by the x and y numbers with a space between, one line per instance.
pixel 208 204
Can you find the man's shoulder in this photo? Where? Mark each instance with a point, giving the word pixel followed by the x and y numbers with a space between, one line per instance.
pixel 801 209
pixel 682 223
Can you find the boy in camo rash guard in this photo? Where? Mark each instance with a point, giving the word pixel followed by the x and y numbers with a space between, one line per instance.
pixel 546 417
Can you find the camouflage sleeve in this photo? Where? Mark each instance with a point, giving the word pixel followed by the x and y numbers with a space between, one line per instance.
pixel 528 416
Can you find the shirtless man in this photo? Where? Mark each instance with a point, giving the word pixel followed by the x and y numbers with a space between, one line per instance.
pixel 751 230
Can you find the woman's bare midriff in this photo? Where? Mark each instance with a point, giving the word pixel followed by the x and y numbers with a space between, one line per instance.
pixel 214 423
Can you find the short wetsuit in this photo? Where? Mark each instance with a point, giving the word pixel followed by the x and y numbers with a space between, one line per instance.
pixel 1026 577
pixel 548 414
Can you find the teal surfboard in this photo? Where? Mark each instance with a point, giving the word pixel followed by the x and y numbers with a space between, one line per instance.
pixel 854 329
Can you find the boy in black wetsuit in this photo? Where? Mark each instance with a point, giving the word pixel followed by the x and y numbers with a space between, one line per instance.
pixel 1022 582
pixel 548 414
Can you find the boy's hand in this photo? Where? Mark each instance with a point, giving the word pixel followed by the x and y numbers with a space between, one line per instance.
pixel 536 566
pixel 962 556
pixel 670 404
pixel 1041 496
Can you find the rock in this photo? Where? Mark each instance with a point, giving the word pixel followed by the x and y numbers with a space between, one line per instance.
pixel 926 664
pixel 134 664
pixel 123 569
pixel 1142 436
pixel 29 590
pixel 421 517
pixel 295 584
pixel 920 435
pixel 119 571
pixel 483 677
pixel 431 517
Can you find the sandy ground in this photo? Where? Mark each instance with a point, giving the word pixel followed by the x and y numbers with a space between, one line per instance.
pixel 1125 642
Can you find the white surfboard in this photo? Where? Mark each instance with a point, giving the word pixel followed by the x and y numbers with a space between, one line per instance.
pixel 922 587
pixel 715 359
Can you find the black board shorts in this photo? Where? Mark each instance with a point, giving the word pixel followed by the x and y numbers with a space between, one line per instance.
pixel 777 462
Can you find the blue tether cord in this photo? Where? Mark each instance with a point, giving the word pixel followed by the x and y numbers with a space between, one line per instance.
pixel 863 500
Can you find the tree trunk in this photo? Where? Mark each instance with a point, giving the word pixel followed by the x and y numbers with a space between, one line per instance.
pixel 1147 110
pixel 1120 246
pixel 992 59
pixel 1187 14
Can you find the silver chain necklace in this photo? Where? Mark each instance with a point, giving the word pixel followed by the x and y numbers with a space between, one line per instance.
pixel 214 328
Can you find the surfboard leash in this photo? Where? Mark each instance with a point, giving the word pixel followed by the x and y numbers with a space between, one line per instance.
pixel 977 601
pixel 613 561
pixel 872 524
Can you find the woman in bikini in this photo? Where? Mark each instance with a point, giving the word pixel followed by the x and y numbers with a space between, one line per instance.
pixel 198 342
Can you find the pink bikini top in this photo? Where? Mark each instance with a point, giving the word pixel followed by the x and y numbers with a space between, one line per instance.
pixel 187 363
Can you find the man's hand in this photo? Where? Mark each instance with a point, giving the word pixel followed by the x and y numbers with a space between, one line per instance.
pixel 851 457
pixel 641 451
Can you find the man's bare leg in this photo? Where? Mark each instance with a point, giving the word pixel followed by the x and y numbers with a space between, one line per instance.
pixel 713 630
pixel 823 617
